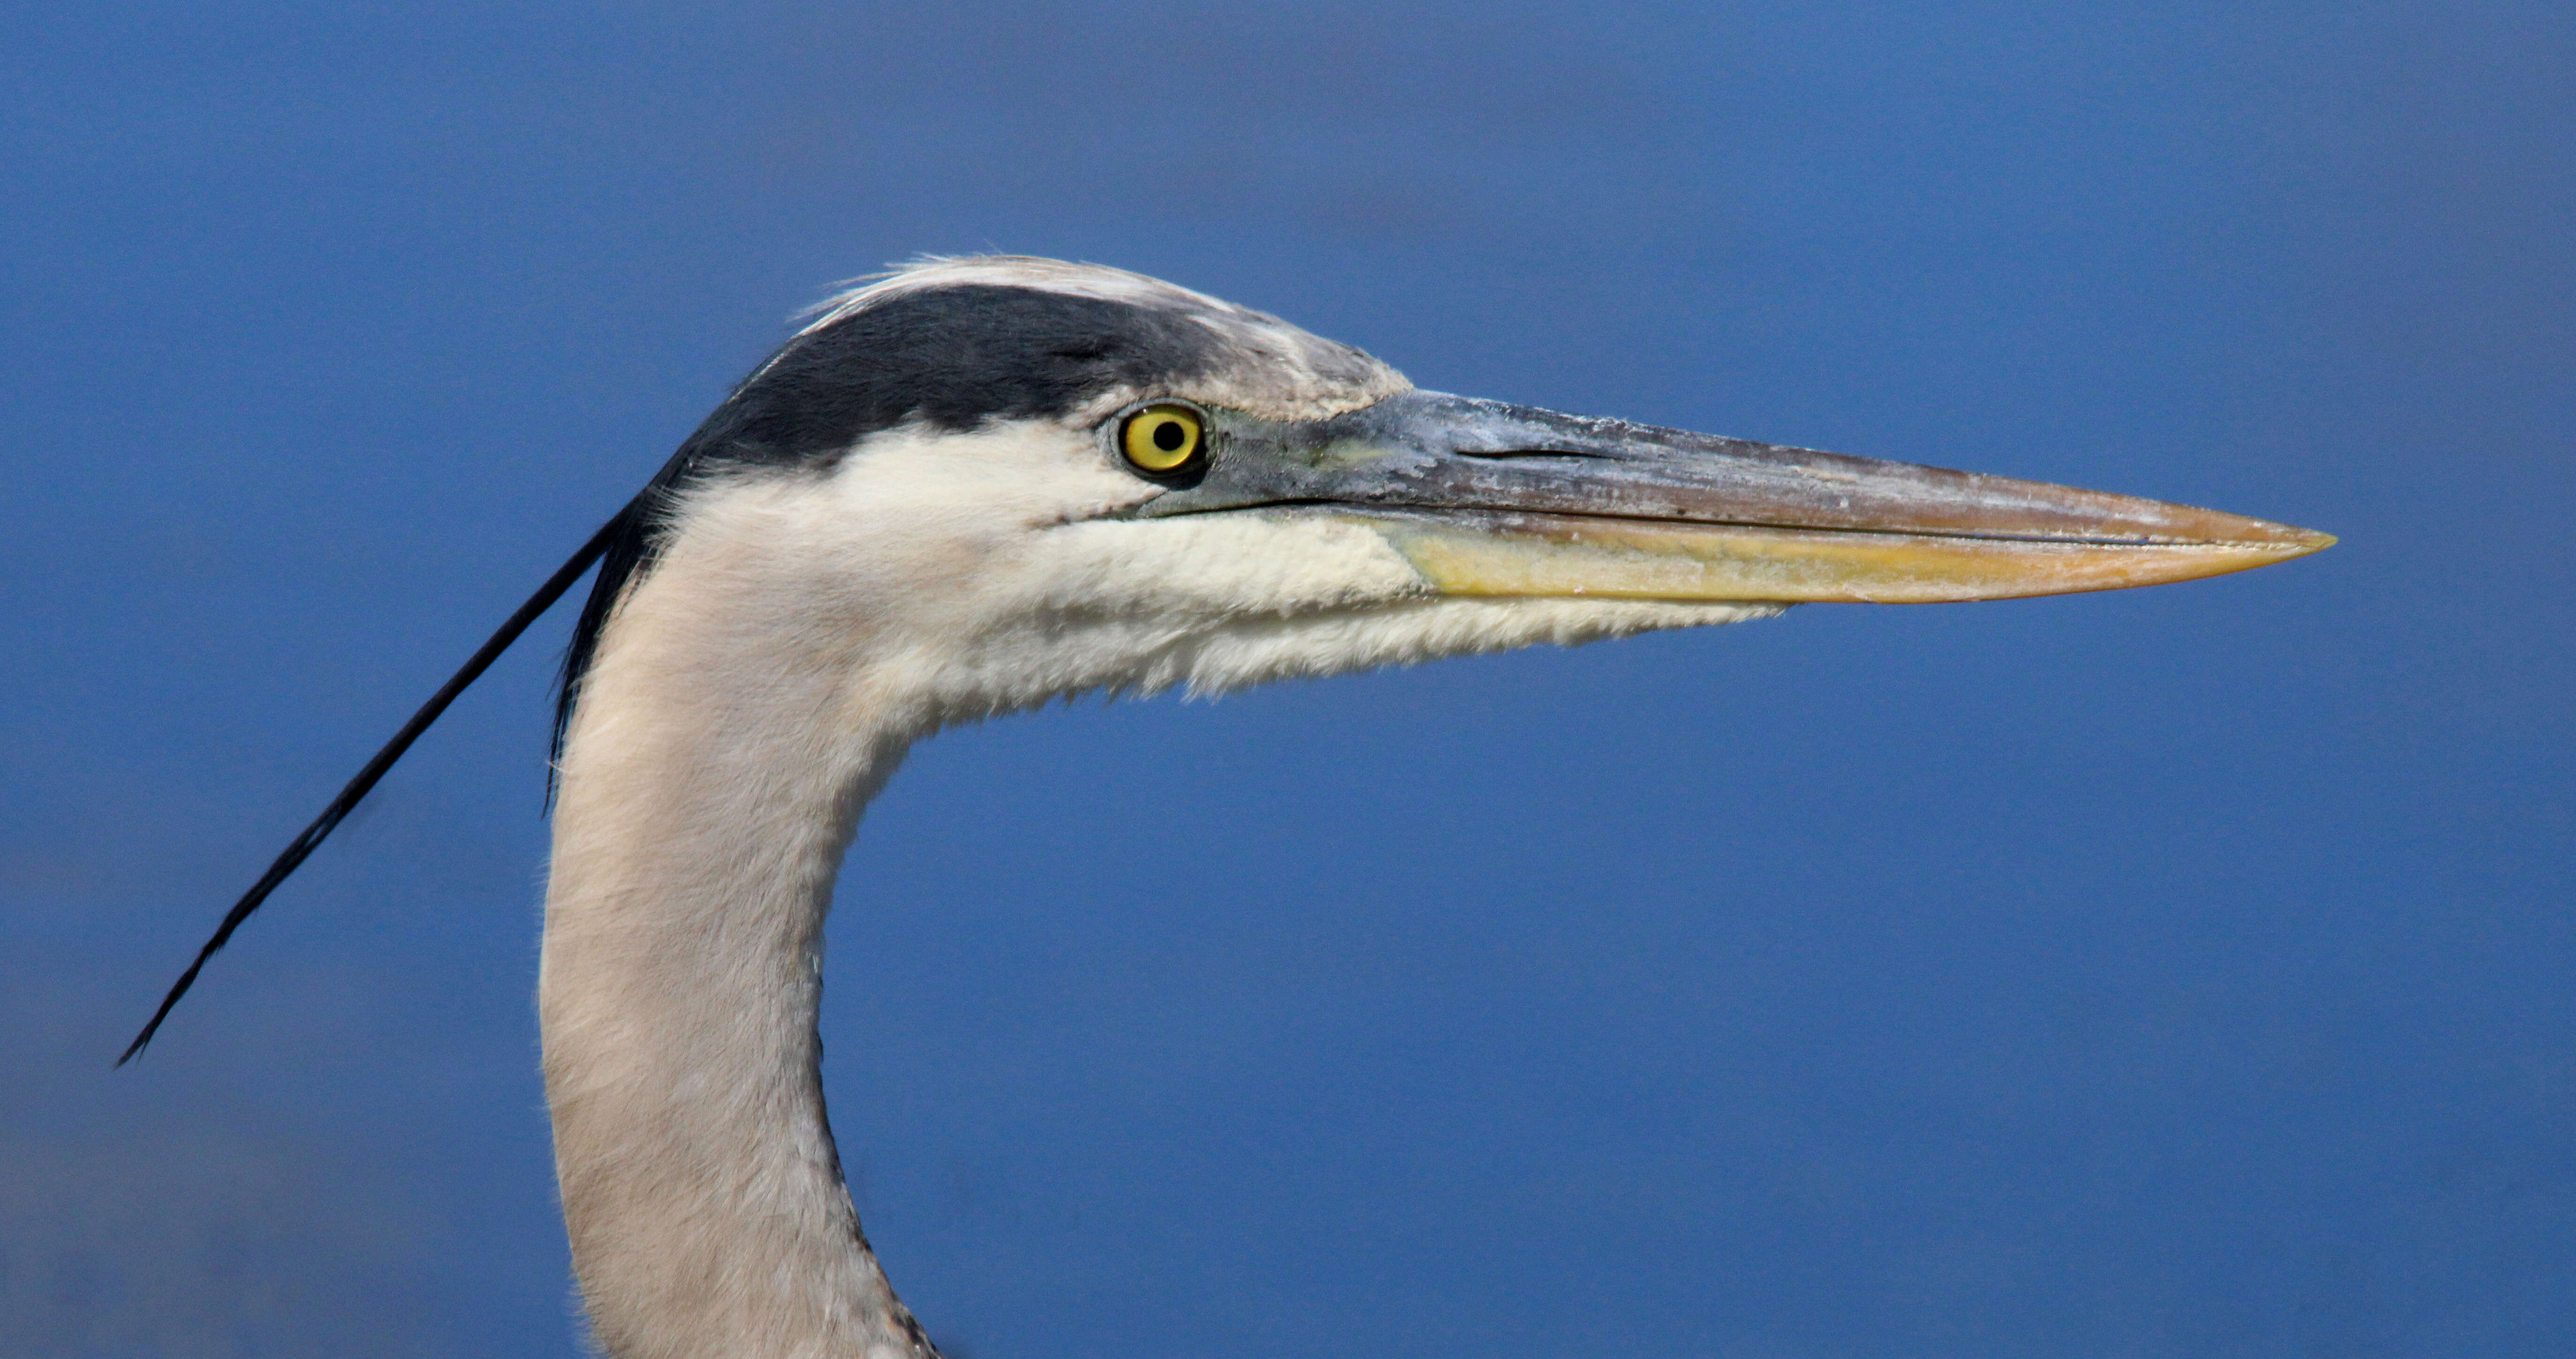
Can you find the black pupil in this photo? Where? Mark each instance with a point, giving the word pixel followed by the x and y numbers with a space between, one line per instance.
pixel 1169 436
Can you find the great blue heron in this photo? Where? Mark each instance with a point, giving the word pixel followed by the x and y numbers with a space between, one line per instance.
pixel 974 485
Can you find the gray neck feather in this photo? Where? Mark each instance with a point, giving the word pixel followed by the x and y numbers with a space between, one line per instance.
pixel 701 823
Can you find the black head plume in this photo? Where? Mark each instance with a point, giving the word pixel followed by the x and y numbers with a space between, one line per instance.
pixel 314 834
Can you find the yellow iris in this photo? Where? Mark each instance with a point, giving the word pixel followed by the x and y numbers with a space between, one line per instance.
pixel 1162 439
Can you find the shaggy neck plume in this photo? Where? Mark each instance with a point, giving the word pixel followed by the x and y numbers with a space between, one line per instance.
pixel 710 783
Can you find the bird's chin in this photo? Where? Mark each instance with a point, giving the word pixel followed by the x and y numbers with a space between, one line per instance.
pixel 1488 553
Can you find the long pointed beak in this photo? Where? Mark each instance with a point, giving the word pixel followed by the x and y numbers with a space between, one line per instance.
pixel 1491 499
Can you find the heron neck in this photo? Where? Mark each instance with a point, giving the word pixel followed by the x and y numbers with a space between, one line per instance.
pixel 700 825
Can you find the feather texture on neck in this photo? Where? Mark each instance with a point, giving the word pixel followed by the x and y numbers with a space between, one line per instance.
pixel 711 783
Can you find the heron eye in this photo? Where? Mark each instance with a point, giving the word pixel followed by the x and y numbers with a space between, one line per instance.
pixel 1162 439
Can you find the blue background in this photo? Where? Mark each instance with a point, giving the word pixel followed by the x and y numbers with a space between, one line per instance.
pixel 2177 972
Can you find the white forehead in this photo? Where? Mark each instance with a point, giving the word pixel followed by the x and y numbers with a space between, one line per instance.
pixel 1271 368
pixel 1097 281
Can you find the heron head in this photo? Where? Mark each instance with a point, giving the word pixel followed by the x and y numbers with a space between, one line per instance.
pixel 994 481
pixel 978 484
